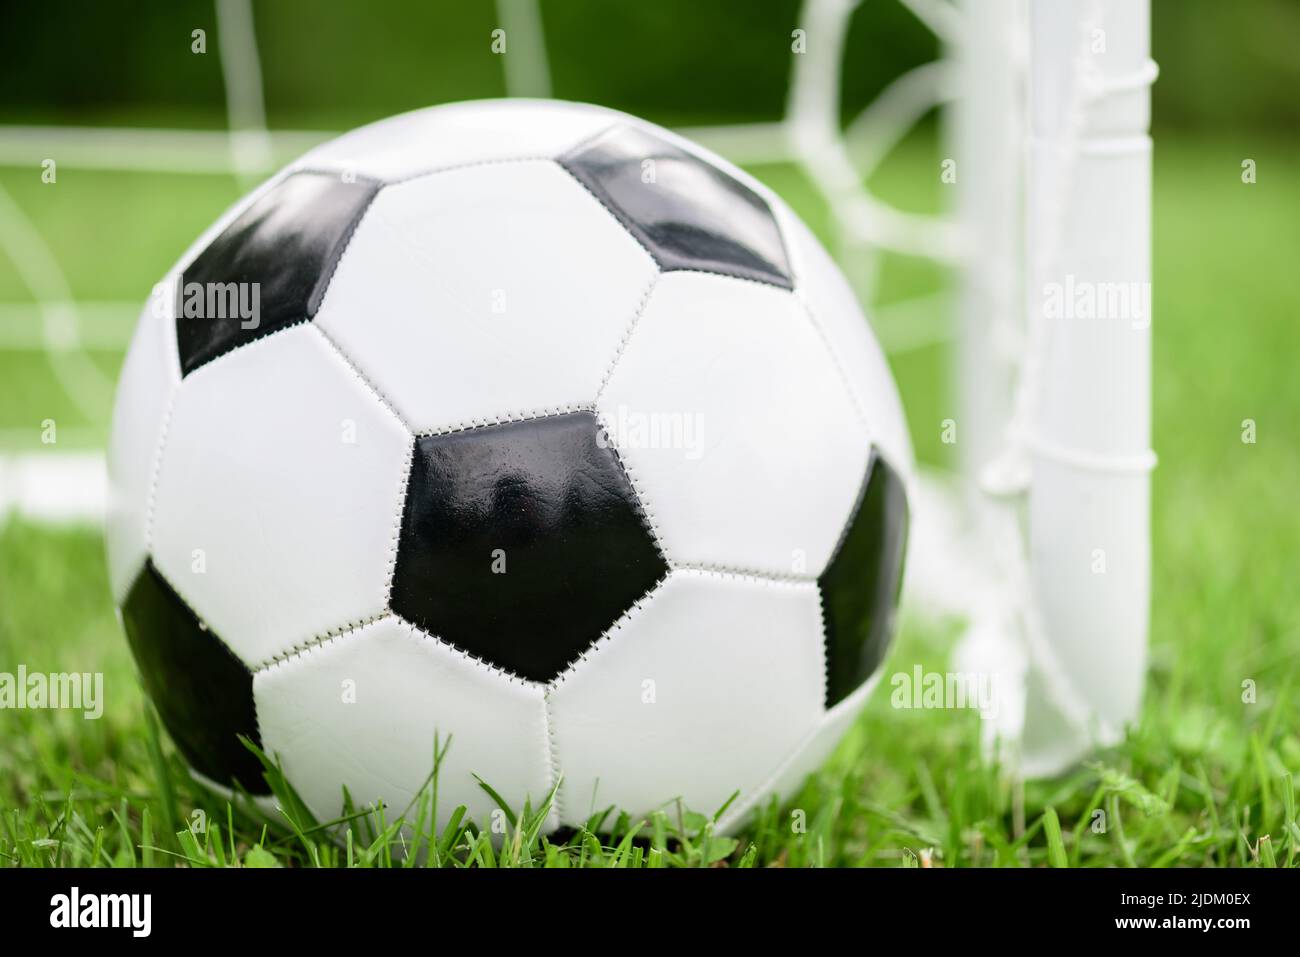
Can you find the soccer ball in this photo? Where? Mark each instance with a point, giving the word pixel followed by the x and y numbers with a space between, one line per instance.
pixel 525 424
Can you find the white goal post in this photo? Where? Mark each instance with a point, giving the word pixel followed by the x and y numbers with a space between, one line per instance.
pixel 1083 409
pixel 1054 365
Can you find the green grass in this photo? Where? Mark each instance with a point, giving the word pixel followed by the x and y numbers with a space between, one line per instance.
pixel 1206 778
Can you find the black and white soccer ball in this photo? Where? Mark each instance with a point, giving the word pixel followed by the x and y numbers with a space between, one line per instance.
pixel 527 424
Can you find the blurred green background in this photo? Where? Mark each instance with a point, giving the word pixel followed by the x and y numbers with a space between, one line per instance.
pixel 1225 524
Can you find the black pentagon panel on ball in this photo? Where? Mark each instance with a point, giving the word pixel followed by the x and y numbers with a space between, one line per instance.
pixel 686 212
pixel 860 585
pixel 522 543
pixel 203 693
pixel 270 267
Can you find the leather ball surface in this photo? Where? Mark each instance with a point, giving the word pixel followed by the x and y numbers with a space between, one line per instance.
pixel 526 424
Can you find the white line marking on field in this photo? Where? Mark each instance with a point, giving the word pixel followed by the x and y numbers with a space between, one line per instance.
pixel 54 487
